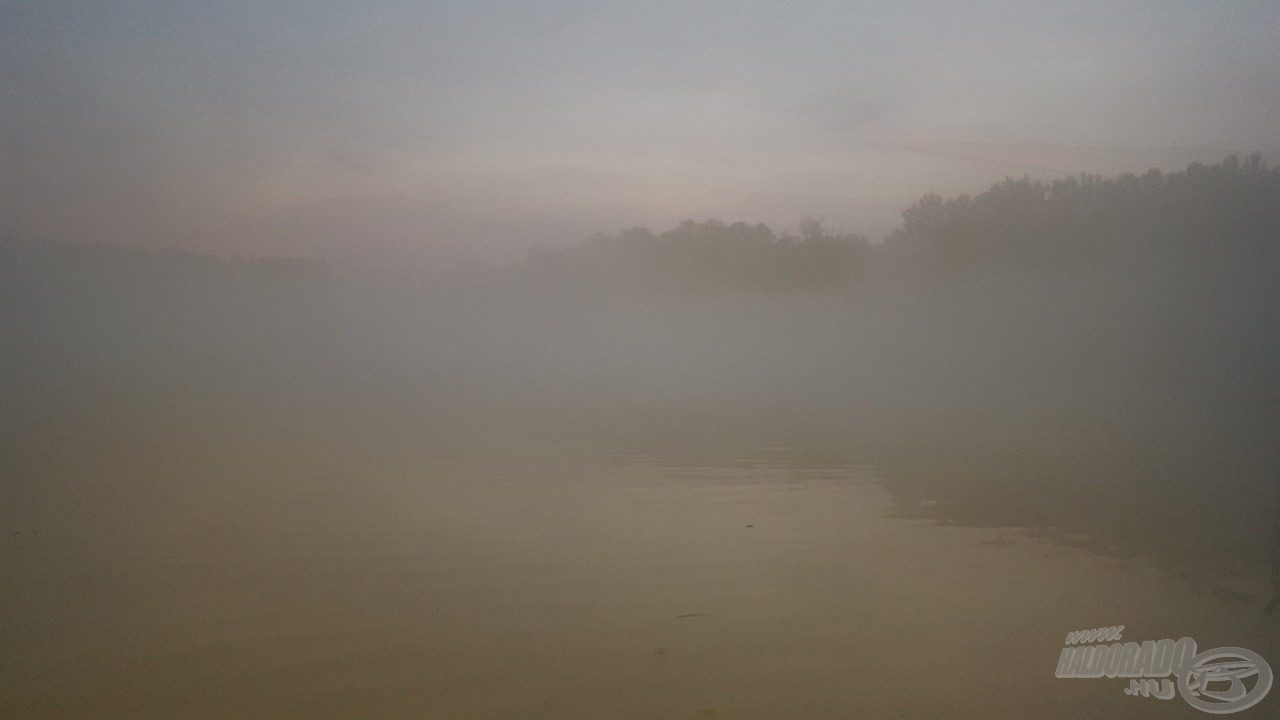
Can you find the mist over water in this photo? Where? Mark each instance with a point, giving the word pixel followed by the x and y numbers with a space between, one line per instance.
pixel 713 470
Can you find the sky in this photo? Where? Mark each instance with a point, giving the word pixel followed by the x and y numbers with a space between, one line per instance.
pixel 389 131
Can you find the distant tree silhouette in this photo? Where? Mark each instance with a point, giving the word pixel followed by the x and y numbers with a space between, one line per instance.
pixel 699 257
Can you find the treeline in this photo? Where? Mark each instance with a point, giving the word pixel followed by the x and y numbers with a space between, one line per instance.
pixel 1207 215
pixel 696 257
pixel 1202 214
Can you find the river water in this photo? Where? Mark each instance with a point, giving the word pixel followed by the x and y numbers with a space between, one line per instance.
pixel 561 584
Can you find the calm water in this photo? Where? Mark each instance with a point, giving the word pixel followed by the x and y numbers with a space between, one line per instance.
pixel 557 585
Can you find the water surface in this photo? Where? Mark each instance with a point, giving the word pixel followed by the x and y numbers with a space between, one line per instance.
pixel 556 584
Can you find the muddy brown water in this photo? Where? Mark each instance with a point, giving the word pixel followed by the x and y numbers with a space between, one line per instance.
pixel 559 584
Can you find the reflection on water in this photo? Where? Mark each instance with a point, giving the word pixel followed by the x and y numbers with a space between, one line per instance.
pixel 561 585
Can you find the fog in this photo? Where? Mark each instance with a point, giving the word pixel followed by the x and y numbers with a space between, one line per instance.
pixel 1092 359
pixel 1086 323
pixel 639 360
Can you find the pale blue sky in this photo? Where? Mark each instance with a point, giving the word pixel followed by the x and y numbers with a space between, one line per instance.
pixel 349 128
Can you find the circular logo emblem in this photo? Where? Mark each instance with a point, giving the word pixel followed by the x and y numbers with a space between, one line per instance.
pixel 1215 680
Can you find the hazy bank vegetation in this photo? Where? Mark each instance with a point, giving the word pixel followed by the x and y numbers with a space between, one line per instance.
pixel 1098 354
